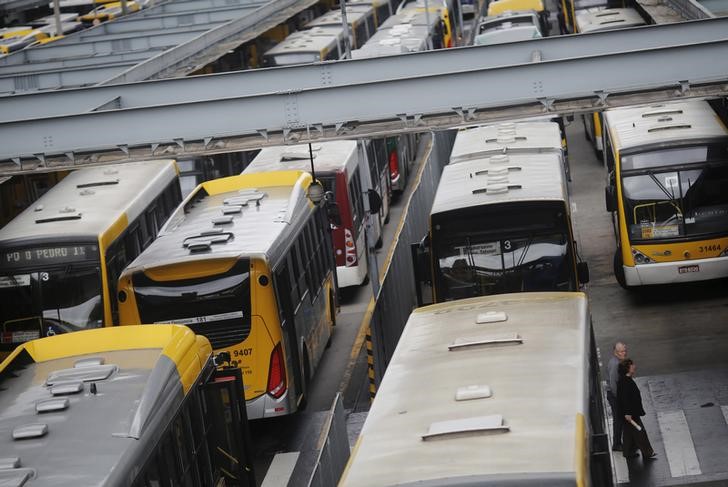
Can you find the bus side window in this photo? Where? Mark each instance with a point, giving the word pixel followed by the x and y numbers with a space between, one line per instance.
pixel 355 192
pixel 309 263
pixel 607 153
pixel 133 242
pixel 152 225
pixel 302 269
pixel 293 270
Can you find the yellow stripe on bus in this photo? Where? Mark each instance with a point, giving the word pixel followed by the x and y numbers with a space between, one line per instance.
pixel 581 452
pixel 256 180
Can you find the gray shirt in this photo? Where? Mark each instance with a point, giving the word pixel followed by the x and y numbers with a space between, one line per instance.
pixel 612 374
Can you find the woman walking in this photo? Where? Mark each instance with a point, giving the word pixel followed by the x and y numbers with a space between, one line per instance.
pixel 630 408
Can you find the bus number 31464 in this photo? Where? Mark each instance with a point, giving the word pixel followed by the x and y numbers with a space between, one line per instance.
pixel 708 248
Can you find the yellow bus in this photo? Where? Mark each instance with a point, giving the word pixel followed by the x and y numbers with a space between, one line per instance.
pixel 500 223
pixel 246 261
pixel 132 406
pixel 489 391
pixel 499 7
pixel 444 8
pixel 668 192
pixel 60 259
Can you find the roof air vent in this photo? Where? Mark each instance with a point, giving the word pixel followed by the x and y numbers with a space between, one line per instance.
pixel 33 430
pixel 83 374
pixel 497 340
pixel 10 462
pixel 232 209
pixel 222 220
pixel 497 188
pixel 67 209
pixel 296 156
pixel 95 184
pixel 200 246
pixel 499 159
pixel 71 387
pixel 52 405
pixel 475 391
pixel 477 424
pixel 89 362
pixel 491 317
pixel 38 208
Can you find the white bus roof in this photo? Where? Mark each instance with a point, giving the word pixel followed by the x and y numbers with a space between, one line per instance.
pixel 607 19
pixel 331 156
pixel 633 127
pixel 88 201
pixel 399 39
pixel 501 178
pixel 539 387
pixel 477 142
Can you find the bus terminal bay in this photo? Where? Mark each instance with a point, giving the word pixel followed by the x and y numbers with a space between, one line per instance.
pixel 416 247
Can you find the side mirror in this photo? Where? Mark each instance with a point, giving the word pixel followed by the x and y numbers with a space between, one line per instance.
pixel 333 213
pixel 582 272
pixel 422 271
pixel 375 201
pixel 610 198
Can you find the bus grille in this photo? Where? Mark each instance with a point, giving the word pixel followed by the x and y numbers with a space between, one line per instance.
pixel 223 334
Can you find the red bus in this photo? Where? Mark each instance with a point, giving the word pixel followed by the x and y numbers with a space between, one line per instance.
pixel 340 166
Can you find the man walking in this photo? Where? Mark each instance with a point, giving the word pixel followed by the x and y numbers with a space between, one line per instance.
pixel 619 353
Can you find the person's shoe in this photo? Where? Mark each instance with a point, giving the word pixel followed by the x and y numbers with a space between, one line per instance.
pixel 652 457
pixel 617 448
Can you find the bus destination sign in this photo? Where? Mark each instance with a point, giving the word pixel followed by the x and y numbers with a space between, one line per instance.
pixel 48 255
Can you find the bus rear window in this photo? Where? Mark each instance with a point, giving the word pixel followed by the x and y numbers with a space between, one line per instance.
pixel 217 306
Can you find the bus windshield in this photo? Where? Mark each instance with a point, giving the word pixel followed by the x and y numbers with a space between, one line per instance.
pixel 217 306
pixel 662 203
pixel 672 204
pixel 525 251
pixel 54 300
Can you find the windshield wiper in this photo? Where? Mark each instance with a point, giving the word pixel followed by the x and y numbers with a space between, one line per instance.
pixel 671 196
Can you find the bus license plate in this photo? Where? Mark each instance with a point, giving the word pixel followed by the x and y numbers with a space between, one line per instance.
pixel 688 268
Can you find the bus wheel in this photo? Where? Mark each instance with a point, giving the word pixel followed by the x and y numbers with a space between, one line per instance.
pixel 619 270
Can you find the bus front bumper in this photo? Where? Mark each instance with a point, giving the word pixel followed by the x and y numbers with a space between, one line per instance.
pixel 674 272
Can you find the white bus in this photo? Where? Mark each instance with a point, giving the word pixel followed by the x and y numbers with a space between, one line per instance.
pixel 668 191
pixel 490 391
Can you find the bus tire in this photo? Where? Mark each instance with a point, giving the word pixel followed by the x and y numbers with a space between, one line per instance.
pixel 619 270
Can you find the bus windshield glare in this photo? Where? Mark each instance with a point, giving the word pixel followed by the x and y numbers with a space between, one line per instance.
pixel 512 251
pixel 50 301
pixel 676 193
pixel 216 306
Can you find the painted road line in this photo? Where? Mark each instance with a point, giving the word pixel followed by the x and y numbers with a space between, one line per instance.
pixel 280 470
pixel 678 444
pixel 621 470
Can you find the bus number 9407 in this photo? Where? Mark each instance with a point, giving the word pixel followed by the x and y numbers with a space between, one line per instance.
pixel 243 352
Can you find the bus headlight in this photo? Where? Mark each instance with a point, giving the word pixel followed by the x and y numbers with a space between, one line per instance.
pixel 640 258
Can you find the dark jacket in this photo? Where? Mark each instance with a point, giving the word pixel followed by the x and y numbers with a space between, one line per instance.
pixel 629 399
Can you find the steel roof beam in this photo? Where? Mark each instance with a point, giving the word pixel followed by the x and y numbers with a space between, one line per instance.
pixel 133 57
pixel 461 96
pixel 195 5
pixel 245 83
pixel 128 43
pixel 210 18
pixel 53 80
pixel 204 49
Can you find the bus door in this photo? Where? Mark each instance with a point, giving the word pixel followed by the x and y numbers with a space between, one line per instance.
pixel 228 436
pixel 422 267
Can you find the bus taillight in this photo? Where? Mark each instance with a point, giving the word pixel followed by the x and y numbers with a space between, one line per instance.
pixel 277 373
pixel 350 248
pixel 393 165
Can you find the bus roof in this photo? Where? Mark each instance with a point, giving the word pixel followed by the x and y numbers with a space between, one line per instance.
pixel 424 377
pixel 505 138
pixel 633 127
pixel 333 17
pixel 91 438
pixel 312 40
pixel 334 156
pixel 89 201
pixel 500 179
pixel 256 215
pixel 500 6
pixel 607 19
pixel 410 16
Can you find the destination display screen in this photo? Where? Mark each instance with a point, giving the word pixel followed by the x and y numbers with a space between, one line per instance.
pixel 48 256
